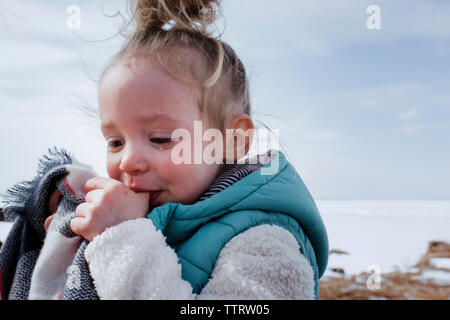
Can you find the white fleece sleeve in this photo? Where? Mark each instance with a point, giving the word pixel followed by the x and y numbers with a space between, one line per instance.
pixel 263 262
pixel 133 261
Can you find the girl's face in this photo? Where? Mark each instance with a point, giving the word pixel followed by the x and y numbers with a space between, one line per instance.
pixel 139 109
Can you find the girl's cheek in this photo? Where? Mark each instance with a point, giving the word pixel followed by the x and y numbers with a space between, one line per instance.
pixel 112 167
pixel 170 171
pixel 165 167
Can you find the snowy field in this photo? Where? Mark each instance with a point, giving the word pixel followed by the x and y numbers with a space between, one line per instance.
pixel 391 234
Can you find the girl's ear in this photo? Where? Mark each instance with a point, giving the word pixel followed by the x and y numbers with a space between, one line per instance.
pixel 238 137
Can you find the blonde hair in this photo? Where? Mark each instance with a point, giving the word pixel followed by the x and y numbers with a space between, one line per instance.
pixel 174 33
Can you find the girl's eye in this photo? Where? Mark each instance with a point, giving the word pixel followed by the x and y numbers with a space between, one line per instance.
pixel 161 140
pixel 114 143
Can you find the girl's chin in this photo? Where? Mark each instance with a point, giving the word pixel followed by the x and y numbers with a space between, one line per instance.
pixel 162 199
pixel 159 200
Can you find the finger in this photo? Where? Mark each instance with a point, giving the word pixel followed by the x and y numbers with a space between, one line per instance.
pixel 92 195
pixel 83 209
pixel 96 183
pixel 47 221
pixel 78 225
pixel 145 196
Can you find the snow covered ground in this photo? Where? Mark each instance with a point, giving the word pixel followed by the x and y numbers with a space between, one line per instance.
pixel 391 234
pixel 438 277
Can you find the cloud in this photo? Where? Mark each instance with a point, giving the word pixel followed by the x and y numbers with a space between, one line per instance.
pixel 48 20
pixel 389 96
pixel 409 125
pixel 318 28
pixel 328 121
pixel 301 27
pixel 411 129
pixel 416 18
pixel 408 115
pixel 20 55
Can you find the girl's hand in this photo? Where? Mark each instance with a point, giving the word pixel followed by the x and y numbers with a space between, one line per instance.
pixel 108 203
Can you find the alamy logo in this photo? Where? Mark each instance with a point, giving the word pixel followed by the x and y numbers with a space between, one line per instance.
pixel 213 152
pixel 374 20
pixel 374 280
pixel 74 19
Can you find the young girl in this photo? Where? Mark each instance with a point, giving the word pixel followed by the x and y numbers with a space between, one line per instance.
pixel 162 230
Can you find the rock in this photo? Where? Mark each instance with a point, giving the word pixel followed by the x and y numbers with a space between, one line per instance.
pixel 337 251
pixel 436 249
pixel 338 270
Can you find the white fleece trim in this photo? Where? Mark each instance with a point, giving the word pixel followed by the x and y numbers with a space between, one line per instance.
pixel 263 262
pixel 132 261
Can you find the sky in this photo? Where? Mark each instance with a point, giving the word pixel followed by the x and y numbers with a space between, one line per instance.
pixel 362 113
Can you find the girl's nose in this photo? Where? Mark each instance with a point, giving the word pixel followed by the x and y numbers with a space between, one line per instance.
pixel 134 161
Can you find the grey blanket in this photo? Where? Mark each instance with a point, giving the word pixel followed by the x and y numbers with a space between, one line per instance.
pixel 40 264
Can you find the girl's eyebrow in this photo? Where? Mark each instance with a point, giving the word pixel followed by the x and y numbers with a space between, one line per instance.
pixel 146 119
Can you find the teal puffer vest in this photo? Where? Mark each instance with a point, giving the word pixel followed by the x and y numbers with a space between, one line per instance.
pixel 199 231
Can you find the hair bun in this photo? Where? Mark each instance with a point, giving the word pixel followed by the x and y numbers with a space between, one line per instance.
pixel 182 14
